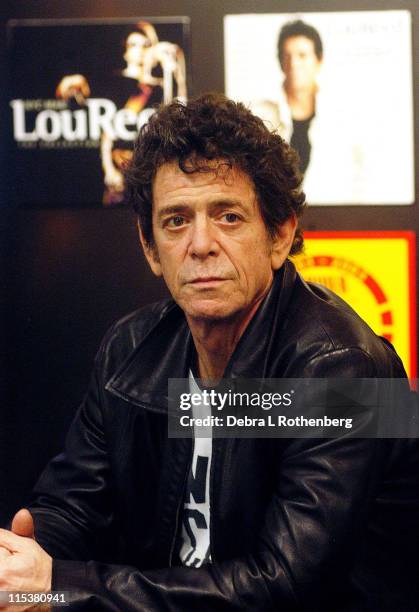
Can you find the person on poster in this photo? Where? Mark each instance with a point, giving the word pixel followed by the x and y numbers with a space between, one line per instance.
pixel 306 118
pixel 152 64
pixel 129 519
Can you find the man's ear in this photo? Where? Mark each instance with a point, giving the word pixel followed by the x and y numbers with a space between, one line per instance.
pixel 150 253
pixel 282 243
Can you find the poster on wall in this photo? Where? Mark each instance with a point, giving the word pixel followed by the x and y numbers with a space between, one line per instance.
pixel 80 91
pixel 338 87
pixel 375 273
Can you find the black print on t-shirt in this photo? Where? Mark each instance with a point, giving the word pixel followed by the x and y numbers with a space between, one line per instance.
pixel 199 519
pixel 193 519
pixel 196 484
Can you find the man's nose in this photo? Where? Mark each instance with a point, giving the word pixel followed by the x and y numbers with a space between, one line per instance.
pixel 203 241
pixel 293 62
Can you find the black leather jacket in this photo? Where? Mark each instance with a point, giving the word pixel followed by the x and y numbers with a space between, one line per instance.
pixel 313 524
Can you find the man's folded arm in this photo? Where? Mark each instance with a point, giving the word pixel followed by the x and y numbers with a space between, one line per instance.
pixel 324 488
pixel 309 528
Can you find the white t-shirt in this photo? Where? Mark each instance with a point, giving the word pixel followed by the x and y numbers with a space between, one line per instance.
pixel 195 535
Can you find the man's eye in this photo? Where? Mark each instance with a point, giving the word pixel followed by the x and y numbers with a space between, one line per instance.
pixel 177 221
pixel 231 217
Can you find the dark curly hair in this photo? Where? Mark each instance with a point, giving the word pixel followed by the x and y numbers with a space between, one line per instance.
pixel 213 127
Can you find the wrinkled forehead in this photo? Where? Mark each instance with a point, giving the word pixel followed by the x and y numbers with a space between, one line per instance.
pixel 202 179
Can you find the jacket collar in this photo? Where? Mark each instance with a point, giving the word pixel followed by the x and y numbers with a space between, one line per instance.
pixel 167 350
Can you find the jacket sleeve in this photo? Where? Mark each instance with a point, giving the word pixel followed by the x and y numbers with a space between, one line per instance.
pixel 323 494
pixel 72 501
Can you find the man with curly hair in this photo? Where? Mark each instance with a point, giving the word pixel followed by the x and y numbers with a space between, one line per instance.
pixel 130 519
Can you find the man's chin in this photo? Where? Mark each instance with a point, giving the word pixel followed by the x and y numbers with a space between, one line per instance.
pixel 209 310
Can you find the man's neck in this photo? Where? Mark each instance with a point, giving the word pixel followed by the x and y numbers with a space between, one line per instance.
pixel 302 103
pixel 215 342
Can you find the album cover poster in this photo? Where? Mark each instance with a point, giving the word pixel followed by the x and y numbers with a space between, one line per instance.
pixel 338 86
pixel 79 92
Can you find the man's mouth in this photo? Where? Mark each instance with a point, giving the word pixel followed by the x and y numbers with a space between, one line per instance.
pixel 207 279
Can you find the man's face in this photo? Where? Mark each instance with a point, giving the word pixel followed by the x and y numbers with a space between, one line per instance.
pixel 211 244
pixel 135 47
pixel 300 63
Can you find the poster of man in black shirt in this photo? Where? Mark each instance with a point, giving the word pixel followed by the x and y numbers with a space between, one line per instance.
pixel 322 80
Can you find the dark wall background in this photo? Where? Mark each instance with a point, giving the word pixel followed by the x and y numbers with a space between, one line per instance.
pixel 68 274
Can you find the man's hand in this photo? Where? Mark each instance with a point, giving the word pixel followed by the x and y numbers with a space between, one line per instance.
pixel 22 524
pixel 73 86
pixel 24 565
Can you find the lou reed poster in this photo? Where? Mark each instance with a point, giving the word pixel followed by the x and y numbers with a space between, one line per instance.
pixel 80 90
pixel 338 87
pixel 375 273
